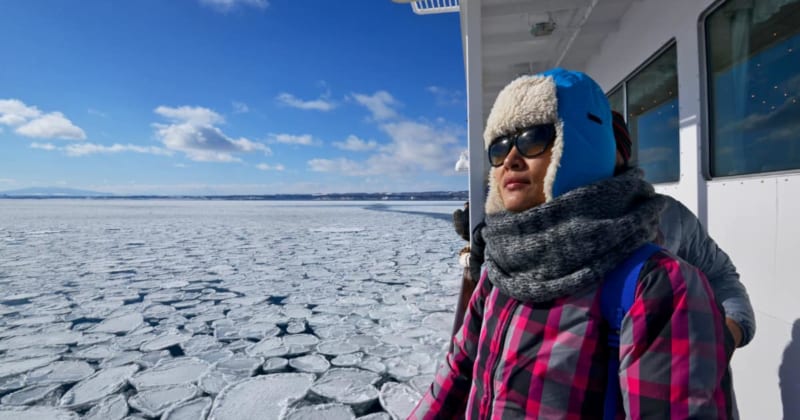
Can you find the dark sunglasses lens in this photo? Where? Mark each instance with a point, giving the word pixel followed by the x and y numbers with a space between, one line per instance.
pixel 498 151
pixel 534 141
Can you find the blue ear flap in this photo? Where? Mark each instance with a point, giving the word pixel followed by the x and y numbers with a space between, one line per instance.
pixel 587 152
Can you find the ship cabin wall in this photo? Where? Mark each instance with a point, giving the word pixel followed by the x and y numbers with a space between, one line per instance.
pixel 753 216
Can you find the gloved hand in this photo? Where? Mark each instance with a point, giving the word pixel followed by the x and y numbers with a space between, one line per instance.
pixel 461 222
pixel 476 252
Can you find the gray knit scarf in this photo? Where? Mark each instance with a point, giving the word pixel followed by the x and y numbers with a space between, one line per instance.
pixel 568 244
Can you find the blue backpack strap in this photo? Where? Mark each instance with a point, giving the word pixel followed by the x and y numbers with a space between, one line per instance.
pixel 616 298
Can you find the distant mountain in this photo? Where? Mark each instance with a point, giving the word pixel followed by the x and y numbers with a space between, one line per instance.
pixel 52 192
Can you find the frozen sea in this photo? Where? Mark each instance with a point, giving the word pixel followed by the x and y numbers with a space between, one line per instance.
pixel 113 309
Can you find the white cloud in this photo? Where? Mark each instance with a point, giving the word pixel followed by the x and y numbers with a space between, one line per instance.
pixel 51 126
pixel 304 139
pixel 92 111
pixel 430 147
pixel 181 165
pixel 341 165
pixel 266 167
pixel 31 122
pixel 240 107
pixel 381 104
pixel 228 5
pixel 415 147
pixel 14 112
pixel 43 146
pixel 83 149
pixel 190 114
pixel 355 144
pixel 8 181
pixel 320 104
pixel 193 132
pixel 245 145
pixel 446 96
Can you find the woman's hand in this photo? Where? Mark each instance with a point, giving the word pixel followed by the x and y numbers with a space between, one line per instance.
pixel 736 331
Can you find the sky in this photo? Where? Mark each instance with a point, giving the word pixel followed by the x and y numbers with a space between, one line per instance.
pixel 230 97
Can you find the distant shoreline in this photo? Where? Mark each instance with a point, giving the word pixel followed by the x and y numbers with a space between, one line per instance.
pixel 425 196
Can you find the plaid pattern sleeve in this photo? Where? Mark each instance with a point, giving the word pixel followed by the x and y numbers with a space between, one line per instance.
pixel 447 396
pixel 672 347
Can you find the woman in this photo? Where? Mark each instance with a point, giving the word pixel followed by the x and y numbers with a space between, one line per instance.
pixel 533 344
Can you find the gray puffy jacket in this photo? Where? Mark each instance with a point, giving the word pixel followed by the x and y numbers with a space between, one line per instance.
pixel 683 235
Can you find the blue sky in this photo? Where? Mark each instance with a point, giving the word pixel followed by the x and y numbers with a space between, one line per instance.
pixel 230 97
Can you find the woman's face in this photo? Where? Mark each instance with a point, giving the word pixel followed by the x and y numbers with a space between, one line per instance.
pixel 521 180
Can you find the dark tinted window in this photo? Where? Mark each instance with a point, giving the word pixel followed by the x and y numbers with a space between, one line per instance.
pixel 753 59
pixel 652 116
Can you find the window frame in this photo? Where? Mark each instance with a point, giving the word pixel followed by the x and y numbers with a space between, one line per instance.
pixel 706 160
pixel 623 86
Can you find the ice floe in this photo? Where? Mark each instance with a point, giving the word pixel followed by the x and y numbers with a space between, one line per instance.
pixel 323 411
pixel 350 386
pixel 170 372
pixel 345 360
pixel 313 363
pixel 41 340
pixel 63 372
pixel 215 356
pixel 238 366
pixel 43 394
pixel 36 413
pixel 120 359
pixel 275 364
pixel 375 416
pixel 337 347
pixel 398 399
pixel 122 324
pixel 153 402
pixel 114 407
pixel 14 367
pixel 261 398
pixel 96 387
pixel 196 409
pixel 12 383
pixel 224 307
pixel 164 341
pixel 200 344
pixel 213 382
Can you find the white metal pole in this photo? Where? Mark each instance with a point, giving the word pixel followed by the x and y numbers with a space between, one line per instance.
pixel 474 71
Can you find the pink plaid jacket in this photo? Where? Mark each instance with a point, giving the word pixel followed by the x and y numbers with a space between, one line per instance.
pixel 513 359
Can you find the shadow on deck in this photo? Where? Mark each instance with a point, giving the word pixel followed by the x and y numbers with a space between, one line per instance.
pixel 789 376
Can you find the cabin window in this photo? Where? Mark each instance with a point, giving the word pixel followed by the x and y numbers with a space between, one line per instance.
pixel 753 62
pixel 649 100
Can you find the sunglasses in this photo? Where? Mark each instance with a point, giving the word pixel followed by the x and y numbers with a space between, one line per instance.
pixel 530 142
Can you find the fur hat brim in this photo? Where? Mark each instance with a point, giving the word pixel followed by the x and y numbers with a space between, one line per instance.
pixel 526 101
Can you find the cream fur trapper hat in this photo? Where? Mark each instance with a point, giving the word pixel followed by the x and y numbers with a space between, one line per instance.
pixel 583 151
